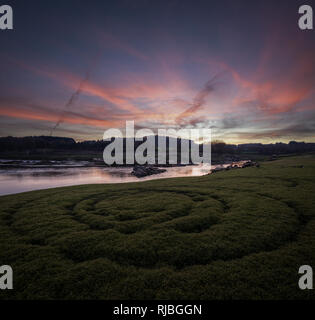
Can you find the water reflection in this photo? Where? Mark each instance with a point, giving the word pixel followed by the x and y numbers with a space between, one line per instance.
pixel 27 179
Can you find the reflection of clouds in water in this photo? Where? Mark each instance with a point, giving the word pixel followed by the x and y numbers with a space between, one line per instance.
pixel 20 180
pixel 34 173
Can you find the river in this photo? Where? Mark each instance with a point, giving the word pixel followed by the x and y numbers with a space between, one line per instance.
pixel 34 177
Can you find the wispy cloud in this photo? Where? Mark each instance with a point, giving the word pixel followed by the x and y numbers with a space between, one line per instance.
pixel 199 100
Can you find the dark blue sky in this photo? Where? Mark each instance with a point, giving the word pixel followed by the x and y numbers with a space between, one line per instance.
pixel 147 61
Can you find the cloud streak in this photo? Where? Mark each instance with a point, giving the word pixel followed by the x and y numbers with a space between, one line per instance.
pixel 199 100
pixel 74 97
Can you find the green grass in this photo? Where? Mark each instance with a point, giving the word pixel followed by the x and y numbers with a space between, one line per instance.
pixel 239 234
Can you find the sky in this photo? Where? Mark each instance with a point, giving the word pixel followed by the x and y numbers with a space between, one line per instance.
pixel 77 68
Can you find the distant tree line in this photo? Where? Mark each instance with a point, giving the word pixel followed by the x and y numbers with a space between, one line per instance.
pixel 259 148
pixel 9 144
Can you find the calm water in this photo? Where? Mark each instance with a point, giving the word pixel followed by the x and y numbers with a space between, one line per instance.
pixel 27 179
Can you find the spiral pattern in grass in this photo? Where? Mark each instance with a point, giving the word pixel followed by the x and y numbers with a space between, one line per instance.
pixel 238 234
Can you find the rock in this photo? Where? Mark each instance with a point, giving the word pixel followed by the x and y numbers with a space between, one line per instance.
pixel 217 169
pixel 143 171
pixel 247 164
pixel 234 166
pixel 273 157
pixel 250 164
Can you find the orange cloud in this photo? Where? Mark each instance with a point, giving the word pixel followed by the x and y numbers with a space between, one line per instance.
pixel 52 116
pixel 137 89
pixel 279 94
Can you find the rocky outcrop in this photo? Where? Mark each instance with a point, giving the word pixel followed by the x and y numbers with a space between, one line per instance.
pixel 233 166
pixel 143 171
pixel 250 164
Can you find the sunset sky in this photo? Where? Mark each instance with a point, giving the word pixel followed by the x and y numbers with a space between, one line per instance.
pixel 242 68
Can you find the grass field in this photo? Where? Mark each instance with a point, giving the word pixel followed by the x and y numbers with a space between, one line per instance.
pixel 240 234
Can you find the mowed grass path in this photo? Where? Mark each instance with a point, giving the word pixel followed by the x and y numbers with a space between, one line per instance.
pixel 240 234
